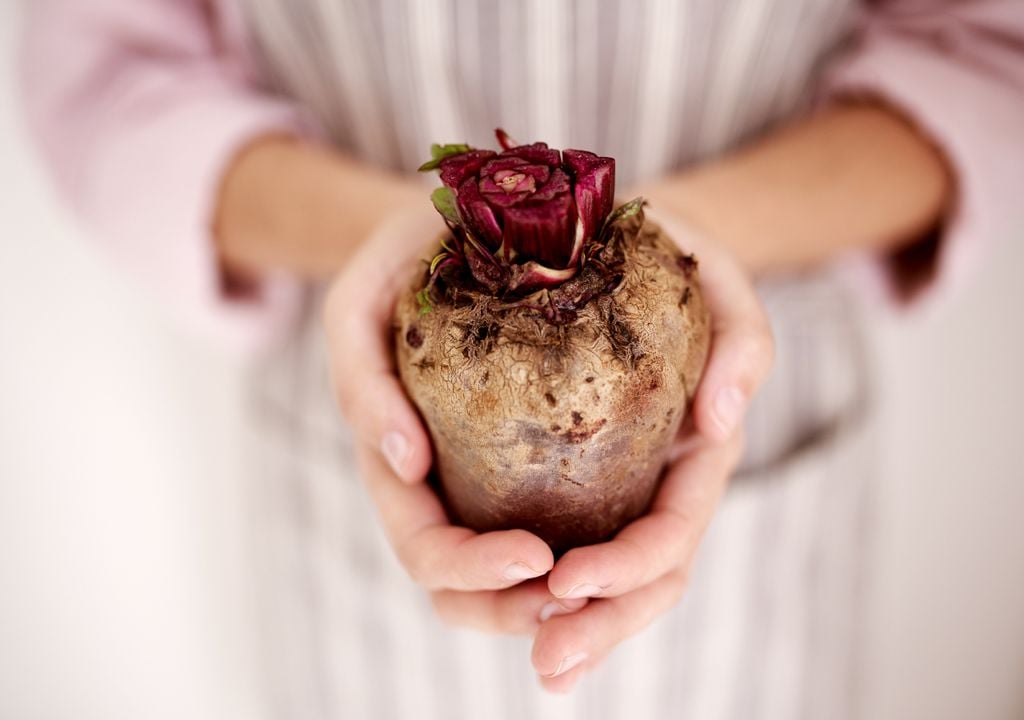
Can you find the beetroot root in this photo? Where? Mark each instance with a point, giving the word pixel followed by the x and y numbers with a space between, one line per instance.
pixel 558 422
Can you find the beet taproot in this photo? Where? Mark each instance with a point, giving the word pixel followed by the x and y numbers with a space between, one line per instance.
pixel 552 365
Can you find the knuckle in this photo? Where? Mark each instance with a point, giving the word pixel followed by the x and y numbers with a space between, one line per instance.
pixel 682 521
pixel 464 576
pixel 756 350
pixel 765 344
pixel 416 563
pixel 354 403
pixel 687 526
pixel 679 583
pixel 622 618
pixel 336 310
pixel 509 615
pixel 348 393
pixel 642 561
pixel 415 572
pixel 441 603
pixel 343 396
pixel 737 444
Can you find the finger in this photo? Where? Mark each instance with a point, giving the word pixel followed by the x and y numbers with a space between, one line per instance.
pixel 518 610
pixel 567 681
pixel 357 320
pixel 741 346
pixel 659 542
pixel 373 401
pixel 367 389
pixel 439 555
pixel 571 641
pixel 742 349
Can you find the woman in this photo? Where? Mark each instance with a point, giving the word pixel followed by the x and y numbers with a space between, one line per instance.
pixel 241 154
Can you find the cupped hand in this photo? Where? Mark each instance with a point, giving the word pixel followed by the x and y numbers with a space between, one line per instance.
pixel 476 579
pixel 643 571
pixel 492 581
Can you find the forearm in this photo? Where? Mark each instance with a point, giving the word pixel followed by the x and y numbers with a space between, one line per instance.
pixel 855 176
pixel 285 204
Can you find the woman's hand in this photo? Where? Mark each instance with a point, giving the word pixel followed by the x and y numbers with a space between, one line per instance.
pixel 643 571
pixel 470 574
pixel 492 581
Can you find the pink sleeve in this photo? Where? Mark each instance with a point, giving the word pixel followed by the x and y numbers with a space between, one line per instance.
pixel 955 69
pixel 138 106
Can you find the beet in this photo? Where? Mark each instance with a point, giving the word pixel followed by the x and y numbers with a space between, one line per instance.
pixel 552 345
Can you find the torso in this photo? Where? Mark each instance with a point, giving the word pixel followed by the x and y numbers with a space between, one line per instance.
pixel 656 84
pixel 767 629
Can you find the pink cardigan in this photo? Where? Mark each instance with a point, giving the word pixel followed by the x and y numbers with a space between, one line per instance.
pixel 162 90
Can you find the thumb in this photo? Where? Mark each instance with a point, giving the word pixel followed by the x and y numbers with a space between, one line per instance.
pixel 742 348
pixel 367 390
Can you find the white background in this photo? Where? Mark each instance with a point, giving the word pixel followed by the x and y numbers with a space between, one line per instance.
pixel 124 583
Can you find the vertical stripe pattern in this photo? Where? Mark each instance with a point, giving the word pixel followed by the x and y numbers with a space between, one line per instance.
pixel 767 629
pixel 655 83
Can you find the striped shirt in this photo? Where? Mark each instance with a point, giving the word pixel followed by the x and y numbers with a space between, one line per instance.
pixel 766 630
pixel 656 84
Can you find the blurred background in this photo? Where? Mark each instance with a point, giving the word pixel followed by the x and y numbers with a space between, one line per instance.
pixel 125 578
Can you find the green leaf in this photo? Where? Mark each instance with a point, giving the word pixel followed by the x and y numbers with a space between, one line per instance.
pixel 626 210
pixel 440 152
pixel 437 261
pixel 423 298
pixel 444 201
pixel 622 212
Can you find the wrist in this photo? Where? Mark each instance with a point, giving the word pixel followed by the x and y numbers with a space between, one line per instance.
pixel 704 199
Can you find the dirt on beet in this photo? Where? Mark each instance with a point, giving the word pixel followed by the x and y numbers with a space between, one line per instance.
pixel 555 414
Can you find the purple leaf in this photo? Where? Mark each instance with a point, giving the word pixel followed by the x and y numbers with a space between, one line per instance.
pixel 524 219
pixel 485 270
pixel 595 188
pixel 455 169
pixel 557 184
pixel 501 162
pixel 538 153
pixel 544 232
pixel 477 214
pixel 504 140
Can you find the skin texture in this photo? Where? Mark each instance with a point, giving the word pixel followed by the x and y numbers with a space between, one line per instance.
pixel 562 430
pixel 263 225
pixel 858 177
pixel 288 205
pixel 855 176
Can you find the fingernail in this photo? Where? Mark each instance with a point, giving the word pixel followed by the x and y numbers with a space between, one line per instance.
pixel 729 404
pixel 520 571
pixel 568 663
pixel 582 590
pixel 551 608
pixel 395 449
pixel 554 607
